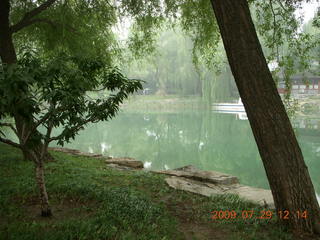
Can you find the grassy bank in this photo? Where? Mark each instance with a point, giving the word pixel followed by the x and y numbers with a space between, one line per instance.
pixel 91 201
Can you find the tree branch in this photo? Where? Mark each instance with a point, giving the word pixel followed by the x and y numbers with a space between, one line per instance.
pixel 51 110
pixel 54 138
pixel 47 139
pixel 281 5
pixel 27 18
pixel 16 28
pixel 275 28
pixel 53 24
pixel 9 142
pixel 45 118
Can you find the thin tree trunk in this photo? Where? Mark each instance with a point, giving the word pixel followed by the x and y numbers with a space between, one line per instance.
pixel 27 156
pixel 44 201
pixel 287 173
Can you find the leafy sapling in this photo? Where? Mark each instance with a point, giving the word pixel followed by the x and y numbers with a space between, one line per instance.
pixel 55 92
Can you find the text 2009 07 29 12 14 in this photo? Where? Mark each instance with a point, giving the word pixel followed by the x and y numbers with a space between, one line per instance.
pixel 263 214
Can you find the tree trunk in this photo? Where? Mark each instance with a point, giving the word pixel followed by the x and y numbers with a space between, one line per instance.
pixel 23 129
pixel 47 156
pixel 37 154
pixel 44 202
pixel 282 158
pixel 7 51
pixel 8 56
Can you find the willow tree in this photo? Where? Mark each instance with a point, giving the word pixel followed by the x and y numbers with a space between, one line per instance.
pixel 288 175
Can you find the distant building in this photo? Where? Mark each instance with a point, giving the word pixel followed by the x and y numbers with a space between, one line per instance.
pixel 307 84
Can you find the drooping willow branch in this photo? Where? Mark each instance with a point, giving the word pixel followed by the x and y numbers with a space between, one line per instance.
pixel 275 27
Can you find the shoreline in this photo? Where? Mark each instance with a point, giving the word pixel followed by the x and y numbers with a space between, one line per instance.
pixel 189 179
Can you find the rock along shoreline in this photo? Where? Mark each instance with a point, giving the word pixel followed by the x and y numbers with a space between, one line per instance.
pixel 189 178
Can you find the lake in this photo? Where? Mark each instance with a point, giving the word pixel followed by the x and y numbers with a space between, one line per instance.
pixel 207 140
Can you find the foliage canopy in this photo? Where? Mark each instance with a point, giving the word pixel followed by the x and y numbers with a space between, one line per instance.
pixel 55 93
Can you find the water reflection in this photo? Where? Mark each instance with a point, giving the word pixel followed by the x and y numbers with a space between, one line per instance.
pixel 90 150
pixel 105 147
pixel 147 164
pixel 210 141
pixel 239 115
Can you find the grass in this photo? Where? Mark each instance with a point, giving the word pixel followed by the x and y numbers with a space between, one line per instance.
pixel 91 201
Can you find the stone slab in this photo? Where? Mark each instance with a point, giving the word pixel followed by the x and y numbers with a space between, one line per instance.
pixel 119 167
pixel 203 176
pixel 259 196
pixel 64 150
pixel 129 162
pixel 75 152
pixel 180 183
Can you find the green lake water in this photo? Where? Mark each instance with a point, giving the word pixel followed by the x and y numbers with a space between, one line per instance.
pixel 208 140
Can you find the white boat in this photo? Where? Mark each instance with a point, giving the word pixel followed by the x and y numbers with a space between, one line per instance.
pixel 229 107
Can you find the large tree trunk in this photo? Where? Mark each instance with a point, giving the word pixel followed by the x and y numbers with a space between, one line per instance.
pixel 7 51
pixel 287 173
pixel 8 56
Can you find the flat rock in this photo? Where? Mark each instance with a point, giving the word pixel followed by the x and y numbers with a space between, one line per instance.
pixel 185 184
pixel 203 176
pixel 64 150
pixel 89 155
pixel 259 196
pixel 128 162
pixel 75 152
pixel 119 167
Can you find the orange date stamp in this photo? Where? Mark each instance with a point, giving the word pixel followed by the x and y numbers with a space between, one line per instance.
pixel 263 214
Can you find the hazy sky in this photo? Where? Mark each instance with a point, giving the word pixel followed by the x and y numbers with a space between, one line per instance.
pixel 308 10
